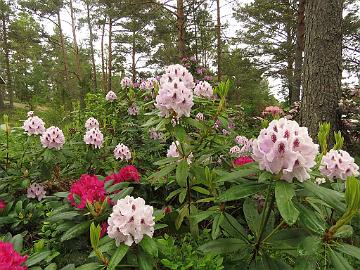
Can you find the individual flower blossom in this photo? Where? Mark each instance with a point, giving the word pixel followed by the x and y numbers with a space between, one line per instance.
pixel 286 148
pixel 53 138
pixel 242 160
pixel 200 117
pixel 91 123
pixel 235 150
pixel 94 137
pixel 320 181
pixel 10 259
pixel 156 135
pixel 178 72
pixel 133 110
pixel 173 150
pixel 127 174
pixel 150 83
pixel 245 143
pixel 34 126
pixel 203 89
pixel 272 110
pixel 111 96
pixel 217 124
pixel 122 151
pixel 174 97
pixel 167 209
pixel 126 82
pixel 30 114
pixel 36 191
pixel 88 189
pixel 130 220
pixel 208 78
pixel 225 132
pixel 2 205
pixel 338 164
pixel 136 85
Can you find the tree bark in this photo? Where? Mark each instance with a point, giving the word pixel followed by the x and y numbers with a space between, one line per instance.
pixel 133 55
pixel 300 31
pixel 289 62
pixel 91 41
pixel 9 89
pixel 218 33
pixel 109 55
pixel 181 28
pixel 322 65
pixel 77 57
pixel 103 70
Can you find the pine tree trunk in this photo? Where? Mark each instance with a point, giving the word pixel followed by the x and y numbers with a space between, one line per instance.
pixel 77 58
pixel 300 31
pixel 7 60
pixel 103 70
pixel 181 28
pixel 289 62
pixel 322 65
pixel 133 55
pixel 110 55
pixel 91 41
pixel 218 33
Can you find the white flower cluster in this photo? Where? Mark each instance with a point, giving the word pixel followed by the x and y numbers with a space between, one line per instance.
pixel 94 137
pixel 111 96
pixel 122 151
pixel 203 89
pixel 130 220
pixel 126 82
pixel 34 125
pixel 53 138
pixel 91 123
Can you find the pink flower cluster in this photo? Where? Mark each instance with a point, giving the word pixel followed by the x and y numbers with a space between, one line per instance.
pixel 175 94
pixel 30 114
pixel 122 151
pixel 242 160
pixel 149 84
pixel 285 147
pixel 91 123
pixel 88 189
pixel 126 82
pixel 200 116
pixel 173 150
pixel 2 205
pixel 94 137
pixel 272 110
pixel 338 164
pixel 203 89
pixel 130 220
pixel 53 138
pixel 10 259
pixel 127 174
pixel 34 125
pixel 111 96
pixel 155 135
pixel 133 110
pixel 36 191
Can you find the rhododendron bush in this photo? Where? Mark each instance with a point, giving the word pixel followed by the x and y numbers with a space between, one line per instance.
pixel 162 173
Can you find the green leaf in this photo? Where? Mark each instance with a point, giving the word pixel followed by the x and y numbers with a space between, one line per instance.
pixel 149 246
pixel 196 218
pixel 145 261
pixel 180 133
pixel 51 267
pixel 267 263
pixel 37 257
pixel 241 173
pixel 89 266
pixel 252 216
pixel 117 257
pixel 311 220
pixel 241 191
pixel 104 248
pixel 350 250
pixel 164 171
pixel 232 226
pixel 7 220
pixel 68 267
pixel 284 192
pixel 122 194
pixel 220 246
pixel 94 235
pixel 75 231
pixel 182 172
pixel 17 242
pixel 117 187
pixel 173 193
pixel 344 231
pixel 215 230
pixel 339 262
pixel 63 216
pixel 182 195
pixel 201 190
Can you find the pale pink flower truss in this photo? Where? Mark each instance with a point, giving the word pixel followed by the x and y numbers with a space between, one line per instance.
pixel 91 123
pixel 245 143
pixel 94 137
pixel 53 138
pixel 235 150
pixel 156 135
pixel 130 220
pixel 200 116
pixel 179 72
pixel 173 150
pixel 10 259
pixel 30 114
pixel 203 89
pixel 34 126
pixel 286 148
pixel 272 110
pixel 122 152
pixel 126 82
pixel 133 110
pixel 111 96
pixel 338 164
pixel 36 191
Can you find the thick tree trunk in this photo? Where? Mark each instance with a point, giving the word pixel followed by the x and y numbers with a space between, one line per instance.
pixel 103 70
pixel 110 55
pixel 218 33
pixel 290 62
pixel 300 31
pixel 7 60
pixel 91 41
pixel 77 57
pixel 133 57
pixel 322 65
pixel 181 28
